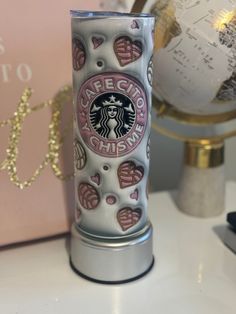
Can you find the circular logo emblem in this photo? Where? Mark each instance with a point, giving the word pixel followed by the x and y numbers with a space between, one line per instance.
pixel 112 114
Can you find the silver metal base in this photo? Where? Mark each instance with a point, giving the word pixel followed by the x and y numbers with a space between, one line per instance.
pixel 111 260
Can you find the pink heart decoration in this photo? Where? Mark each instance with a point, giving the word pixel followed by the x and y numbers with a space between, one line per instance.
pixel 96 178
pixel 97 41
pixel 80 157
pixel 88 196
pixel 134 195
pixel 128 217
pixel 78 54
pixel 126 50
pixel 129 174
pixel 134 24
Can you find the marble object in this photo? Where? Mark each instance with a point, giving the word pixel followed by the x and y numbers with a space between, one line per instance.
pixel 201 192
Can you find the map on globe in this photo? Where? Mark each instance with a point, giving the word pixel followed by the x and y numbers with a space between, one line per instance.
pixel 195 54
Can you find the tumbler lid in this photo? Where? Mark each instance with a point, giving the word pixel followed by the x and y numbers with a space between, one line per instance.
pixel 108 14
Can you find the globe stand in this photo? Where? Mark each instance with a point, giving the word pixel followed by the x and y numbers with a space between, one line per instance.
pixel 201 190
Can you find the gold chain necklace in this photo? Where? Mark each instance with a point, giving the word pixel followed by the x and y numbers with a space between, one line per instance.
pixel 55 138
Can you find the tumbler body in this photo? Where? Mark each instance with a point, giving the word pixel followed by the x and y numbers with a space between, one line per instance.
pixel 112 76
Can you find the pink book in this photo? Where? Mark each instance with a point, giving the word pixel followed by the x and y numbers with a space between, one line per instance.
pixel 35 51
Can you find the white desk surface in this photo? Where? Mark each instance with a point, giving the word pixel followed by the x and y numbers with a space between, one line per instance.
pixel 194 272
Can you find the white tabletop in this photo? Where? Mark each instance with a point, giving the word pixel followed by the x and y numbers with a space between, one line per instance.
pixel 194 273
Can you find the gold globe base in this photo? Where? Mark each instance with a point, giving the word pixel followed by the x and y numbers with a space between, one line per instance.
pixel 201 191
pixel 204 155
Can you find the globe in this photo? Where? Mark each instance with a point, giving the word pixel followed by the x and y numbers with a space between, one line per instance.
pixel 194 79
pixel 195 55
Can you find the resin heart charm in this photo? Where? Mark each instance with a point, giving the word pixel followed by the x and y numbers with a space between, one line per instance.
pixel 78 54
pixel 88 196
pixel 129 174
pixel 126 50
pixel 128 217
pixel 97 41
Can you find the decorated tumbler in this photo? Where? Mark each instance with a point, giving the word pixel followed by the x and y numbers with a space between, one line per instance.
pixel 112 82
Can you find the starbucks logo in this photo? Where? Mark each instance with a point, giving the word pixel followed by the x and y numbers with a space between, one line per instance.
pixel 112 114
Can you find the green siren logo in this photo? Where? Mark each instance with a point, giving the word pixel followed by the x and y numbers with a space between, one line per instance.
pixel 112 114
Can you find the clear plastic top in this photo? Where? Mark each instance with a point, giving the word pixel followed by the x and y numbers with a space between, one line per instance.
pixel 108 14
